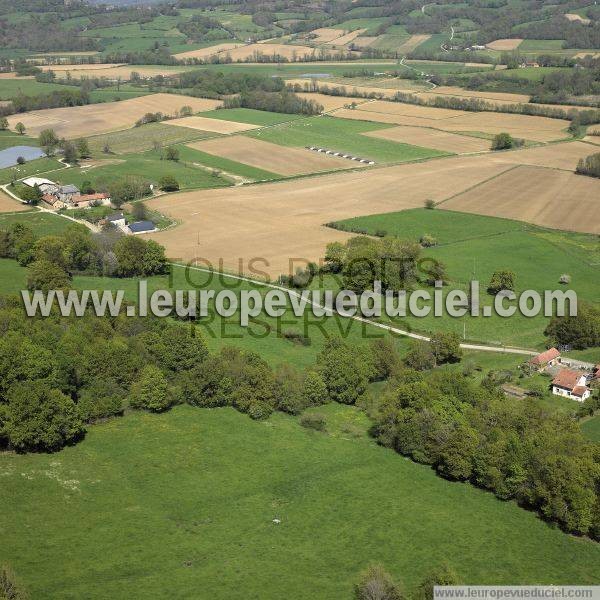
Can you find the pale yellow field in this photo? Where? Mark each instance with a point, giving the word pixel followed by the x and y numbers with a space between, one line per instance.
pixel 316 84
pixel 281 220
pixel 92 119
pixel 505 44
pixel 8 204
pixel 112 71
pixel 539 129
pixel 557 156
pixel 574 17
pixel 432 138
pixel 347 38
pixel 502 97
pixel 213 125
pixel 413 42
pixel 410 110
pixel 251 51
pixel 325 35
pixel 13 76
pixel 207 52
pixel 272 157
pixel 545 197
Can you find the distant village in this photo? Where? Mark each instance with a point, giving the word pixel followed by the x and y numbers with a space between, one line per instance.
pixel 58 197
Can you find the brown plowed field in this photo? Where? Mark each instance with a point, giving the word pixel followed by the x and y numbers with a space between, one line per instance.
pixel 290 52
pixel 432 138
pixel 326 35
pixel 410 110
pixel 282 220
pixel 271 157
pixel 413 42
pixel 545 197
pixel 92 119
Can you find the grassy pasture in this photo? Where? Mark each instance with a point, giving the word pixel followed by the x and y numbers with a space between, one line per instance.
pixel 474 249
pixel 140 139
pixel 33 167
pixel 147 165
pixel 342 135
pixel 591 428
pixel 12 275
pixel 541 45
pixel 185 500
pixel 10 138
pixel 12 88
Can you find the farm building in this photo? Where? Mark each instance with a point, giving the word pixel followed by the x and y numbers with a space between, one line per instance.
pixel 46 186
pixel 549 358
pixel 142 227
pixel 67 193
pixel 571 384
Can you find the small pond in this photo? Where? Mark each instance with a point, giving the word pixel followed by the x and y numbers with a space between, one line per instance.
pixel 8 157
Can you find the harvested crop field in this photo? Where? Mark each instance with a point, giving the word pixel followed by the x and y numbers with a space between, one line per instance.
pixel 8 204
pixel 499 97
pixel 93 119
pixel 272 157
pixel 347 38
pixel 281 220
pixel 538 129
pixel 545 197
pixel 212 125
pixel 557 156
pixel 432 138
pixel 290 52
pixel 325 35
pixel 413 42
pixel 409 110
pixel 505 44
pixel 112 71
pixel 315 84
pixel 207 52
pixel 364 41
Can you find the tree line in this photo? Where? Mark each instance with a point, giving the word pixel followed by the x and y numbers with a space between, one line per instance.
pixel 53 260
pixel 284 101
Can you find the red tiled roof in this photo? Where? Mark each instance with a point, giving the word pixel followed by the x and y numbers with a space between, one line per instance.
pixel 91 197
pixel 545 357
pixel 49 198
pixel 580 390
pixel 567 378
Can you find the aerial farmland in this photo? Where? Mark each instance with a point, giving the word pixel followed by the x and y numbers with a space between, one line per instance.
pixel 335 237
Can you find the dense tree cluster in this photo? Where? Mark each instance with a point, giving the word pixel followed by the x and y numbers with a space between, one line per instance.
pixel 215 84
pixel 55 99
pixel 580 331
pixel 514 448
pixel 282 102
pixel 204 29
pixel 53 259
pixel 589 166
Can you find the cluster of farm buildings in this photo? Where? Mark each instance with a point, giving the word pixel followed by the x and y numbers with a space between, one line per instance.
pixel 571 379
pixel 69 196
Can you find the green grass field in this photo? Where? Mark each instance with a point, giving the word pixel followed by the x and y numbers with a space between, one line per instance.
pixel 223 164
pixel 147 165
pixel 32 167
pixel 158 505
pixel 591 428
pixel 473 247
pixel 342 135
pixel 12 275
pixel 540 45
pixel 140 139
pixel 251 116
pixel 12 88
pixel 10 138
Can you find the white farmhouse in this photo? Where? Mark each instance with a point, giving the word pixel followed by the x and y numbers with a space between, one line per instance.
pixel 571 384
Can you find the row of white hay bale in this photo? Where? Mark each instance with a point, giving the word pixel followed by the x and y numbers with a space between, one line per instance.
pixel 364 161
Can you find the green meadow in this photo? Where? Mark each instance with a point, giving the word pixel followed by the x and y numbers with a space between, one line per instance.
pixel 473 247
pixel 186 501
pixel 342 135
